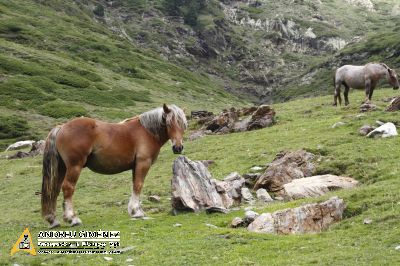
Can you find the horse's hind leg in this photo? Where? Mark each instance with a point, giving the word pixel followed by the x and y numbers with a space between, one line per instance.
pixel 139 173
pixel 337 94
pixel 346 95
pixel 68 187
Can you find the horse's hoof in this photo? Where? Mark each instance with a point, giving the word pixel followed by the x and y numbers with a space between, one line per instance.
pixel 138 215
pixel 76 221
pixel 55 224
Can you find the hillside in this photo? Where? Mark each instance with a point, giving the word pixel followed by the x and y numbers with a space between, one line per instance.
pixel 58 62
pixel 270 50
pixel 304 123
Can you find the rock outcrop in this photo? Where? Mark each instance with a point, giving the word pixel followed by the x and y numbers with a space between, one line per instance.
pixel 238 120
pixel 193 188
pixel 310 218
pixel 386 130
pixel 286 167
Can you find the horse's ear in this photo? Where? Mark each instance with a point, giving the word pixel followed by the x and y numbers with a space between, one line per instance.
pixel 166 109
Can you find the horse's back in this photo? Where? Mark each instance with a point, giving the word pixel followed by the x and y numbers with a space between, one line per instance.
pixel 351 75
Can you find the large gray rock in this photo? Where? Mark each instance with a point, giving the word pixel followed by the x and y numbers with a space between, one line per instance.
pixel 286 167
pixel 309 218
pixel 193 188
pixel 315 186
pixel 37 148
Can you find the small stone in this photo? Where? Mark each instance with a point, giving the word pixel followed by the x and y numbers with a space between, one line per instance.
pixel 249 208
pixel 256 168
pixel 232 176
pixel 9 176
pixel 211 225
pixel 236 222
pixel 279 198
pixel 129 260
pixel 263 196
pixel 367 221
pixel 250 216
pixel 177 225
pixel 338 124
pixel 147 218
pixel 397 248
pixel 154 198
pixel 246 195
pixel 364 130
pixel 118 203
pixel 125 249
pixel 108 258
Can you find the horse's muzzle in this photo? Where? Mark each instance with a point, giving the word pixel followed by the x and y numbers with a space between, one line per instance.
pixel 177 149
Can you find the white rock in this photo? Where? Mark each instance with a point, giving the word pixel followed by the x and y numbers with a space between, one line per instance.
pixel 263 195
pixel 397 248
pixel 108 258
pixel 20 145
pixel 232 176
pixel 367 221
pixel 385 131
pixel 256 168
pixel 129 260
pixel 315 186
pixel 177 225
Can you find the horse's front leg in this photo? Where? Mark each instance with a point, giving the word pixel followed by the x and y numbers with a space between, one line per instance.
pixel 139 173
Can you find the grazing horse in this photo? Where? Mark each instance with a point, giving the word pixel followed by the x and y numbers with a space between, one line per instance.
pixel 362 77
pixel 106 148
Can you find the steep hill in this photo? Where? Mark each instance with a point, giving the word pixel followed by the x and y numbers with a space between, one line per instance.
pixel 58 62
pixel 272 50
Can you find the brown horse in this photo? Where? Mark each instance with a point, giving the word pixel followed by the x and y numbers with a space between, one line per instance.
pixel 106 148
pixel 362 77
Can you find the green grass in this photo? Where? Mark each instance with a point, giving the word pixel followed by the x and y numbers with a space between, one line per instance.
pixel 302 123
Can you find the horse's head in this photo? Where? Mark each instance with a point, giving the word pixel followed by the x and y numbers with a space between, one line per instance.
pixel 393 79
pixel 175 120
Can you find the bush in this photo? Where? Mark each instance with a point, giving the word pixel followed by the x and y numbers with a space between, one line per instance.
pixel 12 127
pixel 73 81
pixel 59 109
pixel 99 10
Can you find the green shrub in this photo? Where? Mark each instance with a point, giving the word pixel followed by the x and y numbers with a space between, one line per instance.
pixel 73 81
pixel 58 109
pixel 12 127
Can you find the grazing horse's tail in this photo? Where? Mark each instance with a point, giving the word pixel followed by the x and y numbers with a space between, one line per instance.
pixel 53 175
pixel 337 92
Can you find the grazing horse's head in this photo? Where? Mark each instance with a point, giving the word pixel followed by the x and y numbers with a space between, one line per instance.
pixel 176 123
pixel 393 79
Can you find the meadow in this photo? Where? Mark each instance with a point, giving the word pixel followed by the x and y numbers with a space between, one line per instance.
pixel 101 200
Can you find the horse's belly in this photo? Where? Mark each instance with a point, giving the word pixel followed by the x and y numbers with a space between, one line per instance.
pixel 108 166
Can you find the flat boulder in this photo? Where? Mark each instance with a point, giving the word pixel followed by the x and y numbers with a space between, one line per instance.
pixel 310 218
pixel 394 105
pixel 286 167
pixel 315 186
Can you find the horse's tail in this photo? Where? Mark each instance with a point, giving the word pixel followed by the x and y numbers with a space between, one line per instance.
pixel 53 175
pixel 336 91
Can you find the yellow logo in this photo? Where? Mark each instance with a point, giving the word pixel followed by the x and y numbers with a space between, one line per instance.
pixel 24 243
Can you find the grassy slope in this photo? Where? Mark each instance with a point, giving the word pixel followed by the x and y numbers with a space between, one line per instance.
pixel 57 62
pixel 301 124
